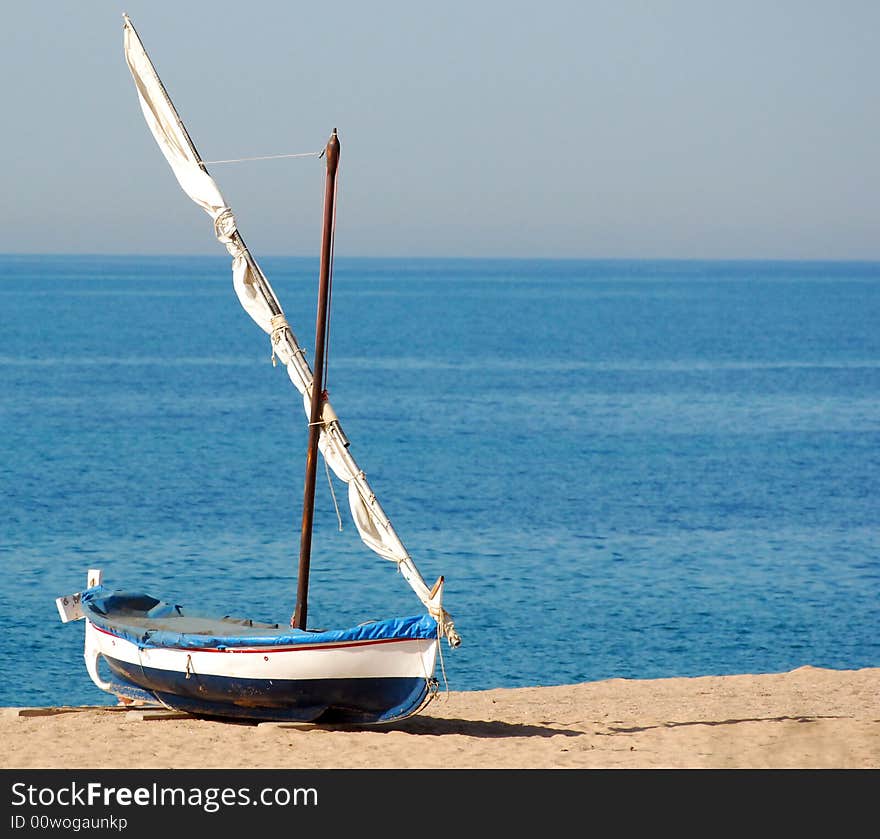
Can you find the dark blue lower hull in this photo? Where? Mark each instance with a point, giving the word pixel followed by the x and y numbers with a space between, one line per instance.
pixel 344 701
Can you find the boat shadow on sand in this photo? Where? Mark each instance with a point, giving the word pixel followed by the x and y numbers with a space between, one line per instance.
pixel 444 725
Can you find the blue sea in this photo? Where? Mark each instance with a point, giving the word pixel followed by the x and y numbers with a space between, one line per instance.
pixel 634 469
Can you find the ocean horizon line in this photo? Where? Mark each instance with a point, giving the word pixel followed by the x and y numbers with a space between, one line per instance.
pixel 599 260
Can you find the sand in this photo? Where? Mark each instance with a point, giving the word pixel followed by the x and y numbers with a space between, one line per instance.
pixel 809 718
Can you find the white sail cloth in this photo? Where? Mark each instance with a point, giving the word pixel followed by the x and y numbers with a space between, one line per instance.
pixel 259 301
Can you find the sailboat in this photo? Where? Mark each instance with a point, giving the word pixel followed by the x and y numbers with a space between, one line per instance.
pixel 161 653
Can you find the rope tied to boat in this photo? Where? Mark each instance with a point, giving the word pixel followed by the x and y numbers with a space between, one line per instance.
pixel 333 494
pixel 447 627
pixel 226 230
pixel 225 225
pixel 442 663
pixel 279 324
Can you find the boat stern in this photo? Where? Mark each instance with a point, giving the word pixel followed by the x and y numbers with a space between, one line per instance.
pixel 70 605
pixel 70 609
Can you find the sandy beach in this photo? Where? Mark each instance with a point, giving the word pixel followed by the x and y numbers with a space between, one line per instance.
pixel 807 718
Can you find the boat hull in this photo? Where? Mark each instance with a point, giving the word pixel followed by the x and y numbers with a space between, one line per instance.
pixel 363 683
pixel 230 667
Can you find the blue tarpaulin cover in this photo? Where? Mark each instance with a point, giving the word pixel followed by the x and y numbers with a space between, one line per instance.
pixel 149 622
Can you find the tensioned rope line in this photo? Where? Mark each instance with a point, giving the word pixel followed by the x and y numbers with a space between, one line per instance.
pixel 265 157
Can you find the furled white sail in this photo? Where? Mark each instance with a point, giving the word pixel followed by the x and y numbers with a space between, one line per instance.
pixel 260 302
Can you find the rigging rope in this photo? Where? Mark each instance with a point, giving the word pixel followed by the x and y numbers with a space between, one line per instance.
pixel 333 494
pixel 442 664
pixel 265 157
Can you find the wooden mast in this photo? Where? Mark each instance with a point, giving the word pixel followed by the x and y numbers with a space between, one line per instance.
pixel 317 395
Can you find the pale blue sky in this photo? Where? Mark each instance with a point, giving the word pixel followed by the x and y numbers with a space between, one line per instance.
pixel 571 129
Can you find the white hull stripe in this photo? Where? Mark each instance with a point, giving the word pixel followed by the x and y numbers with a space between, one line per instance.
pixel 381 658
